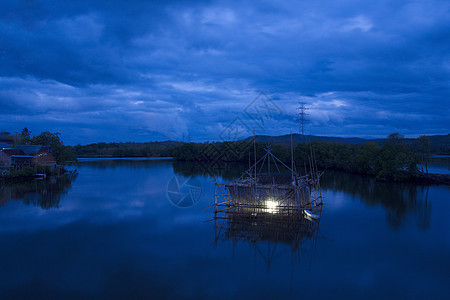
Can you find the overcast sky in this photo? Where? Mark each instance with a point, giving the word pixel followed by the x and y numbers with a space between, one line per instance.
pixel 147 70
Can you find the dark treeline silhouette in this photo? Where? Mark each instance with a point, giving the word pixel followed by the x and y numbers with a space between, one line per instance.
pixel 434 144
pixel 395 160
pixel 438 144
pixel 130 149
pixel 61 152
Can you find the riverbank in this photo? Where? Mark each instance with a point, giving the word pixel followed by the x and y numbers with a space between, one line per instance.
pixel 84 159
pixel 418 177
pixel 435 178
pixel 28 173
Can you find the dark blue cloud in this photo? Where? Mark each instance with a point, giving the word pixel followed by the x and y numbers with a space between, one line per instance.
pixel 142 70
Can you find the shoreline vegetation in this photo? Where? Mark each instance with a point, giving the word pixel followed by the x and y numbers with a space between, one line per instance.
pixel 392 159
pixel 62 154
pixel 29 173
pixel 395 160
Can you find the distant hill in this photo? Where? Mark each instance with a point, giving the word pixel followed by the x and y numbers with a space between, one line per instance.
pixel 440 144
pixel 297 138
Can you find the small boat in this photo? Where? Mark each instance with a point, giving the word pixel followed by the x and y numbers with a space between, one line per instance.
pixel 40 176
pixel 310 215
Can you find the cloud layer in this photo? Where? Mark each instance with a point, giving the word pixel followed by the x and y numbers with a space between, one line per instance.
pixel 148 70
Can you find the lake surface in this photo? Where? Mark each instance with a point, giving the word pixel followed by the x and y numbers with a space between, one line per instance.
pixel 119 229
pixel 439 165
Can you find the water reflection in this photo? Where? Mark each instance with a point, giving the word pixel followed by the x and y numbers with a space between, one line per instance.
pixel 294 231
pixel 398 199
pixel 116 235
pixel 45 194
pixel 438 165
pixel 227 171
pixel 129 162
pixel 268 212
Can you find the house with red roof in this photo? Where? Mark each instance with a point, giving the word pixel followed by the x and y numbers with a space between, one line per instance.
pixel 15 157
pixel 41 155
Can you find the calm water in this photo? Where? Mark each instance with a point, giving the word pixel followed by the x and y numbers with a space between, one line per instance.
pixel 113 231
pixel 439 165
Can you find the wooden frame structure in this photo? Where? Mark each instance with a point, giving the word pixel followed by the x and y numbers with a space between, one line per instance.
pixel 269 207
pixel 260 194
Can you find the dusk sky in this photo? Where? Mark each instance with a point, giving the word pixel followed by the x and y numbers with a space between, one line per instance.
pixel 146 70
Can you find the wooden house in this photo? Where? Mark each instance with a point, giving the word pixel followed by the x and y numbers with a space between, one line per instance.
pixel 41 155
pixel 15 157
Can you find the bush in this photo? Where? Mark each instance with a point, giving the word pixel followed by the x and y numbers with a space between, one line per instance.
pixel 43 170
pixel 23 172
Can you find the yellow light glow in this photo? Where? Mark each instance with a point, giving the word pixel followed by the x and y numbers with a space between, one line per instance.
pixel 271 206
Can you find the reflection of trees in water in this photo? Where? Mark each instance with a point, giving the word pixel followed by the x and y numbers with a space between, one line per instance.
pixel 227 171
pixel 117 163
pixel 43 193
pixel 399 199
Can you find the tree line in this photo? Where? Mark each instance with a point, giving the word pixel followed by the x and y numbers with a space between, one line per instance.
pixel 129 149
pixel 61 152
pixel 395 160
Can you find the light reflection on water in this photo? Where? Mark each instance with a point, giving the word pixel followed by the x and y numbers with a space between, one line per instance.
pixel 112 232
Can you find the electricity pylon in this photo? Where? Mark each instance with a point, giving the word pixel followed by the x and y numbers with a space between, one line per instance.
pixel 302 117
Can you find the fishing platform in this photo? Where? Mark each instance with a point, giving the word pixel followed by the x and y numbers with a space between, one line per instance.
pixel 261 193
pixel 265 207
